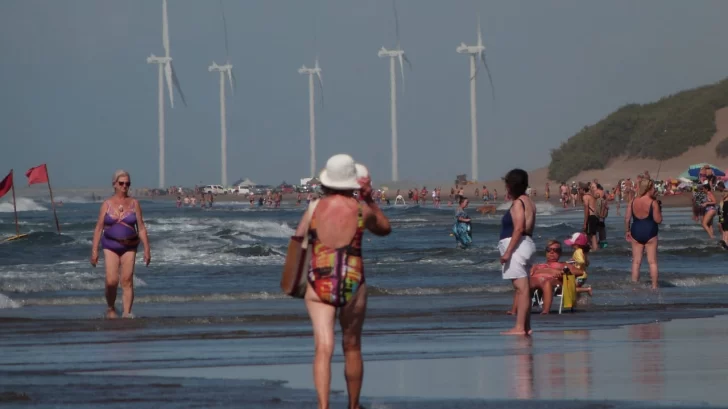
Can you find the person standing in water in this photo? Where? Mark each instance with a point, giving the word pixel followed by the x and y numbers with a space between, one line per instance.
pixel 336 281
pixel 120 227
pixel 461 228
pixel 641 220
pixel 517 248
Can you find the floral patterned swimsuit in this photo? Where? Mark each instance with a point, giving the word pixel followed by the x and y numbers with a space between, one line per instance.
pixel 336 273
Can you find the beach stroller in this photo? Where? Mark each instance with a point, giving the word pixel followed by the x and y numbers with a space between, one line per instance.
pixel 537 299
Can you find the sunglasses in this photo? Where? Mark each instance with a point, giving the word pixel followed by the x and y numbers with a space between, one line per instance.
pixel 124 183
pixel 553 250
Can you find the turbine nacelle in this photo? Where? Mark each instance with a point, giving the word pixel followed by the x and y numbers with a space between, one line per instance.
pixel 383 52
pixel 220 68
pixel 153 59
pixel 470 49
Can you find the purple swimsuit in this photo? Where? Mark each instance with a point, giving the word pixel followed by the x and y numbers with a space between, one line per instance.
pixel 120 234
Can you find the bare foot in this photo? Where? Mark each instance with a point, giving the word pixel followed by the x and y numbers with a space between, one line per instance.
pixel 510 312
pixel 544 313
pixel 111 313
pixel 516 331
pixel 590 292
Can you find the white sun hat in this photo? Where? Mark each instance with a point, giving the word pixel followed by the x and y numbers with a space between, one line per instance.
pixel 340 173
pixel 361 171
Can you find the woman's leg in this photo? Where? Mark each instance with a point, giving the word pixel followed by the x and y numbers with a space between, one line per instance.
pixel 322 318
pixel 127 280
pixel 351 318
pixel 547 292
pixel 651 250
pixel 523 314
pixel 708 223
pixel 637 250
pixel 111 261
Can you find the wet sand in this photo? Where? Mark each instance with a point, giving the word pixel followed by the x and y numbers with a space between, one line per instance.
pixel 674 362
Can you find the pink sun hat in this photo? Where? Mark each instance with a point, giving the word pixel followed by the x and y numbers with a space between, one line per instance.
pixel 579 239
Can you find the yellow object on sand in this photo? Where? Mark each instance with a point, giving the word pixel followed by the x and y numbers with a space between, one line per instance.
pixel 568 290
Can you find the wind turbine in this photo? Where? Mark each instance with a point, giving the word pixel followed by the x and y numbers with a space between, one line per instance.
pixel 311 72
pixel 475 52
pixel 166 71
pixel 224 69
pixel 394 55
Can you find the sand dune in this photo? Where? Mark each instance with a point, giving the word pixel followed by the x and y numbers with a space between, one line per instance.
pixel 623 167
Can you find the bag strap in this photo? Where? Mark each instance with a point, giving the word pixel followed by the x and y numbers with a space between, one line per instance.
pixel 309 216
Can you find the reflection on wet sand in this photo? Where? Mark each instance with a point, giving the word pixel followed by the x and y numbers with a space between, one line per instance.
pixel 647 360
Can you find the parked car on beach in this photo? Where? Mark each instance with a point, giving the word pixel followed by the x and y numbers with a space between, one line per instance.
pixel 214 189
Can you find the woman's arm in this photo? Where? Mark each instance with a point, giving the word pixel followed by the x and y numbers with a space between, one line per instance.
pixel 376 221
pixel 143 233
pixel 97 235
pixel 627 220
pixel 656 212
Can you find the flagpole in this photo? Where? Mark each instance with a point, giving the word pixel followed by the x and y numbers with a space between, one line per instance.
pixel 15 208
pixel 53 204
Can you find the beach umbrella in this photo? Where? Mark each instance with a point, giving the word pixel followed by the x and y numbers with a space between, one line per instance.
pixel 694 171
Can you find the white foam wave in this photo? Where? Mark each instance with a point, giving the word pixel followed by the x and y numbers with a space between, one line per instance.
pixel 542 208
pixel 29 281
pixel 698 281
pixel 23 204
pixel 197 256
pixel 6 302
pixel 409 220
pixel 439 291
pixel 444 261
pixel 72 199
pixel 149 299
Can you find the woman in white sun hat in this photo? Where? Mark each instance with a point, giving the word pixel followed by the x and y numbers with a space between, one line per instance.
pixel 336 274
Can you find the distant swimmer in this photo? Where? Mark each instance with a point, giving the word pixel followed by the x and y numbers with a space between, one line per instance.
pixel 120 228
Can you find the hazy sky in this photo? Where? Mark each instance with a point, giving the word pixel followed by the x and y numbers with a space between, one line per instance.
pixel 78 94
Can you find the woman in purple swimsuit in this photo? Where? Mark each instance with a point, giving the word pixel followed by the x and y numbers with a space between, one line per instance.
pixel 120 228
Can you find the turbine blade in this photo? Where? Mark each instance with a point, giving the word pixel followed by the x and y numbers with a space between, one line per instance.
pixel 230 80
pixel 409 64
pixel 396 21
pixel 176 83
pixel 480 36
pixel 165 29
pixel 168 77
pixel 321 87
pixel 224 27
pixel 487 70
pixel 234 81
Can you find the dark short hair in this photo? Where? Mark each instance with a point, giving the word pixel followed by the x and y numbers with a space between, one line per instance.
pixel 462 199
pixel 599 187
pixel 516 182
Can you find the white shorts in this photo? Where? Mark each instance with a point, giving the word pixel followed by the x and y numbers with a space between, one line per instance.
pixel 519 266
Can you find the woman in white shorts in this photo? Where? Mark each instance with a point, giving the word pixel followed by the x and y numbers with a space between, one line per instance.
pixel 517 248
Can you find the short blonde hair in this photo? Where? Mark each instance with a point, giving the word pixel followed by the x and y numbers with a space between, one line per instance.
pixel 119 173
pixel 645 186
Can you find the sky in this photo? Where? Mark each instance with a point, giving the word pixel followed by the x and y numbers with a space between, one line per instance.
pixel 78 94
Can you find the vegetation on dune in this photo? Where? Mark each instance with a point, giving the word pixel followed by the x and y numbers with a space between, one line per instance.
pixel 660 130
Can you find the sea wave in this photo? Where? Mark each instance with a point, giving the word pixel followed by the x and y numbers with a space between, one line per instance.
pixel 7 302
pixel 33 281
pixel 152 299
pixel 23 204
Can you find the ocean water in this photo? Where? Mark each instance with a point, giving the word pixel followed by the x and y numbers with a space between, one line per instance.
pixel 210 298
pixel 233 252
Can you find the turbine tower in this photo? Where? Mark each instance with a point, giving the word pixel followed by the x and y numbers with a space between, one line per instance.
pixel 166 71
pixel 476 52
pixel 311 72
pixel 227 68
pixel 394 55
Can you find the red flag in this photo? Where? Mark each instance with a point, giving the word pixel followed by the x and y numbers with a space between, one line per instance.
pixel 38 174
pixel 6 184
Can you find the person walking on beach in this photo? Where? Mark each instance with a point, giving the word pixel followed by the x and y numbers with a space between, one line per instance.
pixel 591 219
pixel 517 248
pixel 336 274
pixel 645 214
pixel 120 227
